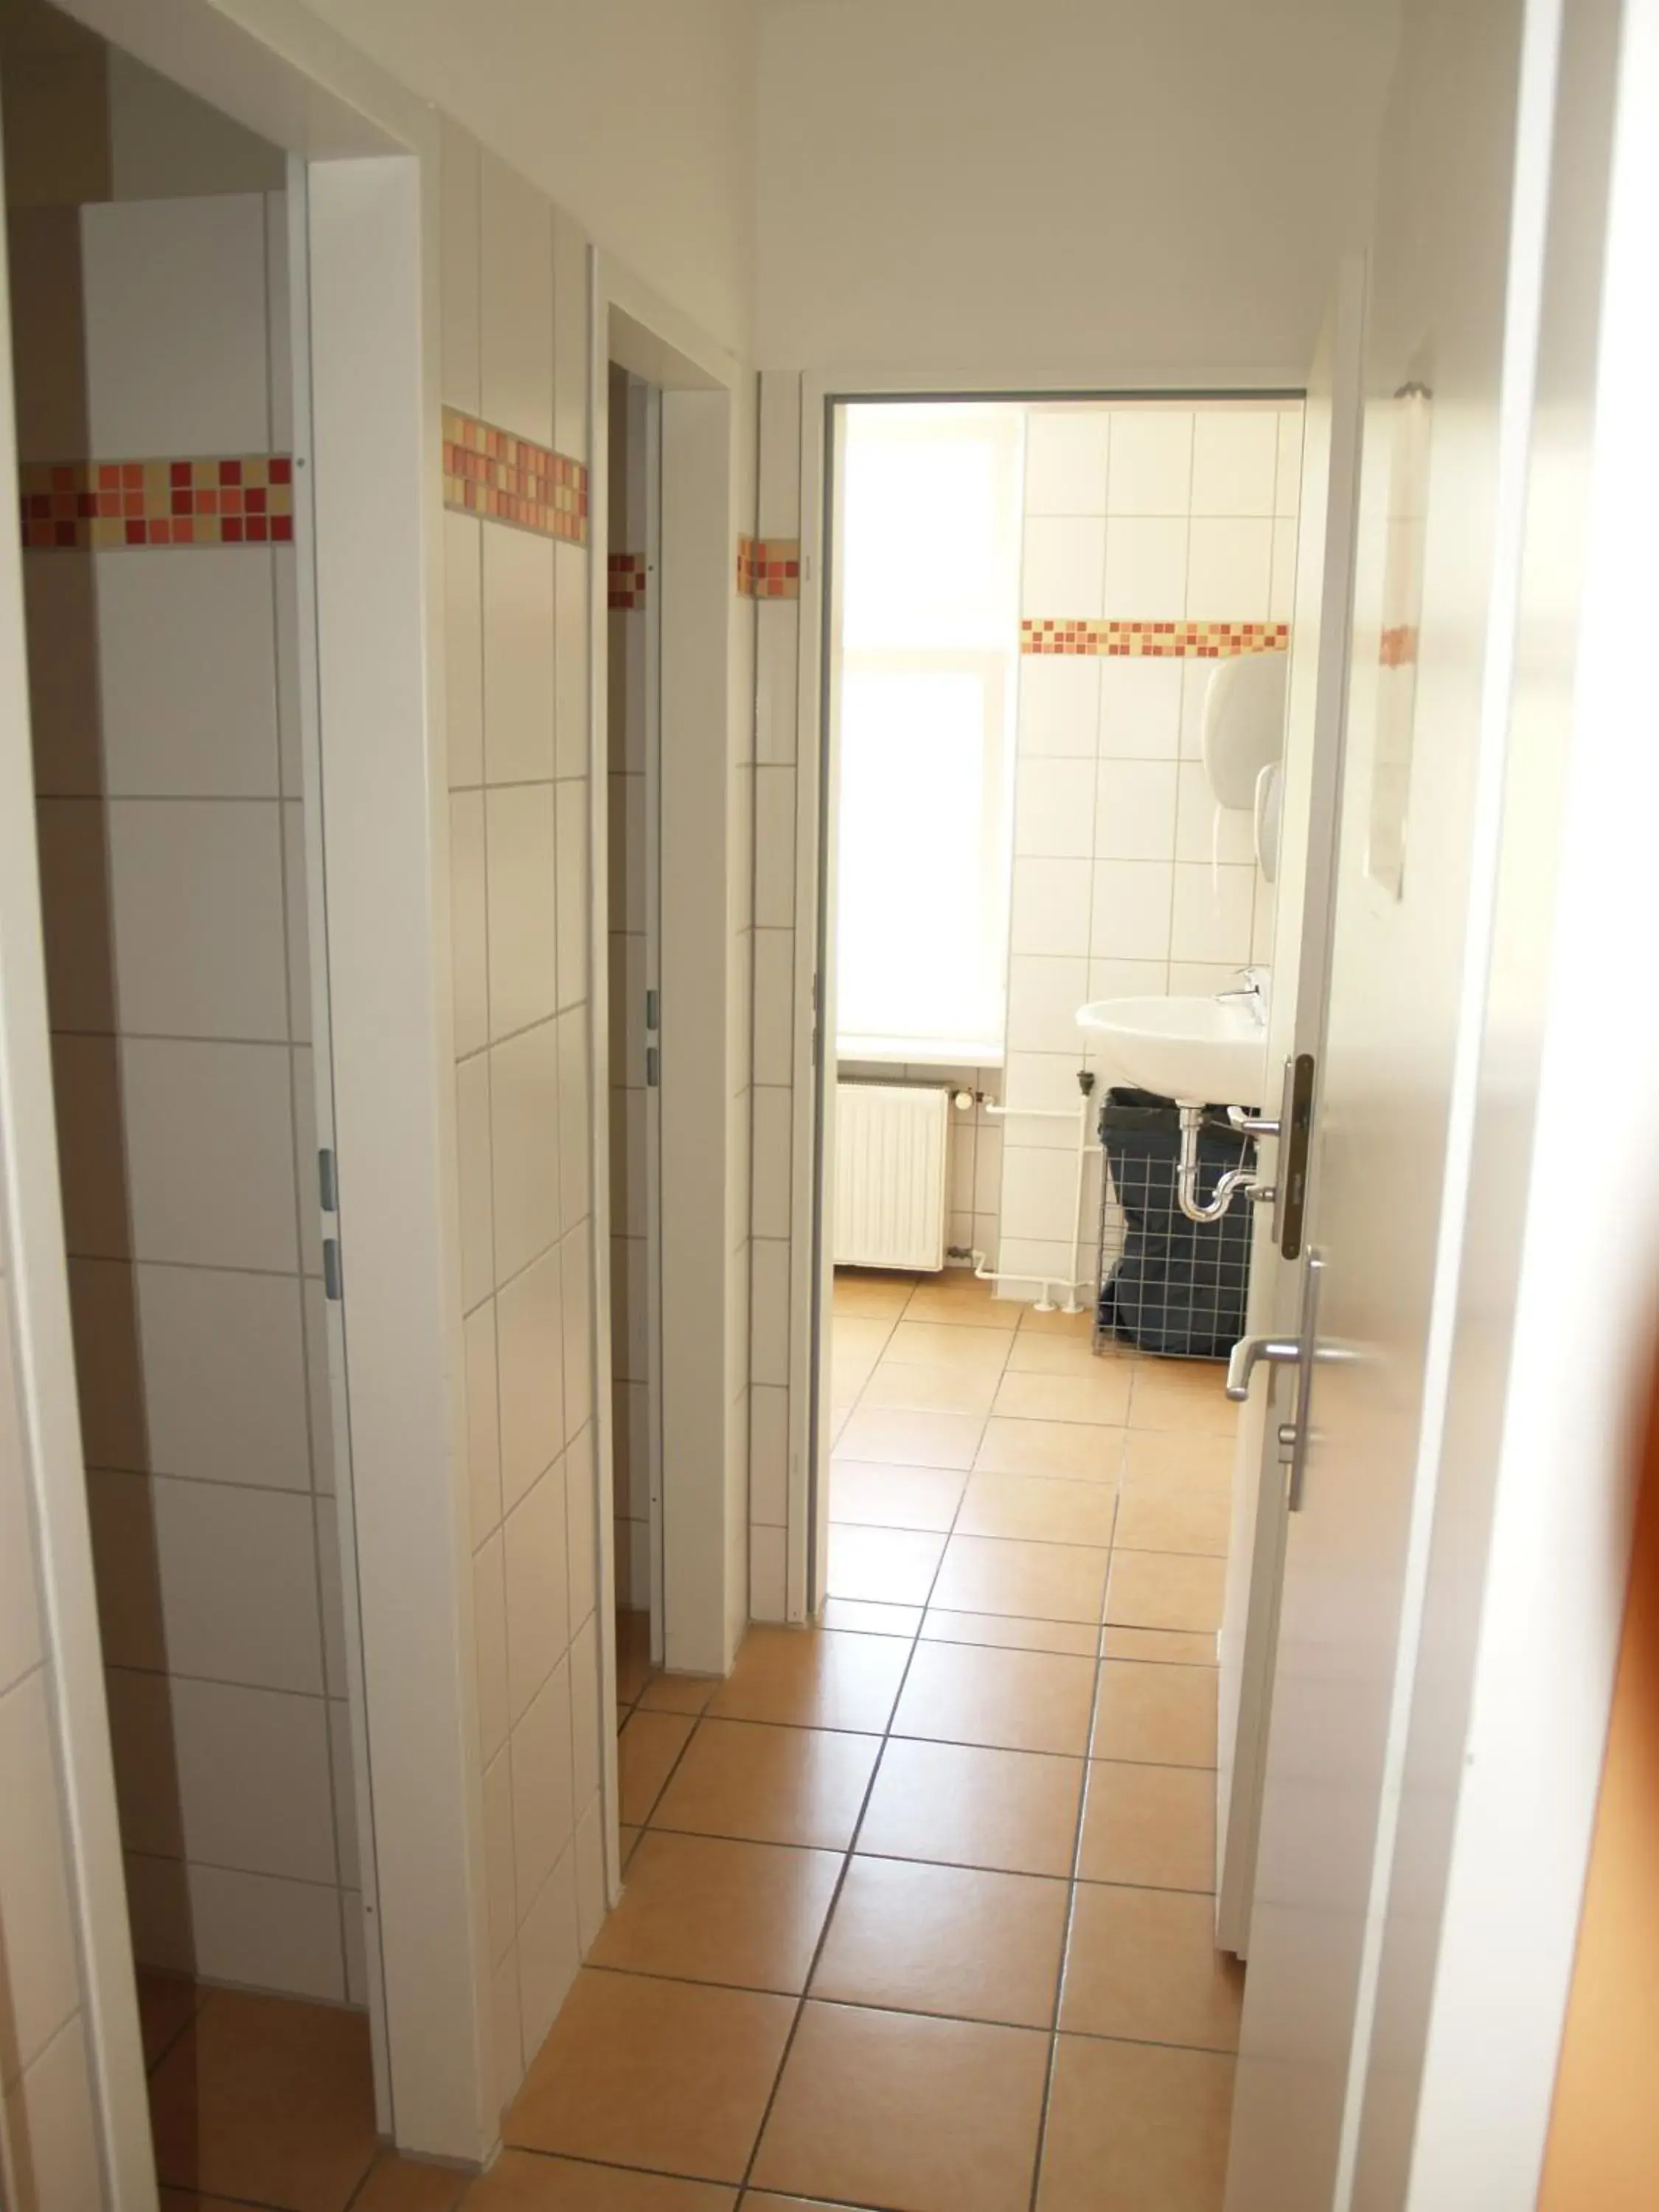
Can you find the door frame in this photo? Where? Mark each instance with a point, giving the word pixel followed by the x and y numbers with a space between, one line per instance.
pixel 812 1073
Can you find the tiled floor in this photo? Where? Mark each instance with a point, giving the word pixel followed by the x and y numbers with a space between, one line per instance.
pixel 918 1913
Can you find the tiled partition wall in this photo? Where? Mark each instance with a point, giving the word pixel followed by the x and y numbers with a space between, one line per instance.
pixel 164 693
pixel 1157 537
pixel 515 336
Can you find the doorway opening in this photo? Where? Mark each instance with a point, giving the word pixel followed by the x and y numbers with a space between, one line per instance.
pixel 154 247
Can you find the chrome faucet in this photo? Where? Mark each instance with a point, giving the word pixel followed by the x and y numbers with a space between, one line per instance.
pixel 1253 991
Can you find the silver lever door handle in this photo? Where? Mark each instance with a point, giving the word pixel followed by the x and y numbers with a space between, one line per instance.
pixel 1277 1350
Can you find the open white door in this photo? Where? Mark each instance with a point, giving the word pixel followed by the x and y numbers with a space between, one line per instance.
pixel 1296 1030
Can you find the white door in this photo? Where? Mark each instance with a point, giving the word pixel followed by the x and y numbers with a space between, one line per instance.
pixel 1300 968
pixel 1448 364
pixel 645 484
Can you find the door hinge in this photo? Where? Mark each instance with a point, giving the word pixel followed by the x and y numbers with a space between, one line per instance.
pixel 332 1285
pixel 328 1185
pixel 651 1076
pixel 651 1011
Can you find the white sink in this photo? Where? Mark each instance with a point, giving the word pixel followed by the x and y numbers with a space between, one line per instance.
pixel 1210 1052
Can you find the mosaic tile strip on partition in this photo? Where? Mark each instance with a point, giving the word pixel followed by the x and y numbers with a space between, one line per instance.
pixel 625 582
pixel 242 499
pixel 1162 641
pixel 768 568
pixel 506 479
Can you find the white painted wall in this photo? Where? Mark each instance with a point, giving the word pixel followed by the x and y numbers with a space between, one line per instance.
pixel 1070 184
pixel 639 121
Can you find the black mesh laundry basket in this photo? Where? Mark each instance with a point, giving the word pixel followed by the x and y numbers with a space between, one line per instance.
pixel 1168 1284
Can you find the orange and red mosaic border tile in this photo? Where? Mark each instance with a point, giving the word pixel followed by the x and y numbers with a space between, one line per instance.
pixel 625 582
pixel 768 568
pixel 245 499
pixel 502 478
pixel 1161 641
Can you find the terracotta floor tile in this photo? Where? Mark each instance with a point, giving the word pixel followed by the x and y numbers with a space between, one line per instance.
pixel 1165 1589
pixel 406 2185
pixel 678 1694
pixel 705 1909
pixel 266 2099
pixel 895 1496
pixel 764 2201
pixel 1007 1632
pixel 1080 1326
pixel 935 1388
pixel 1132 2128
pixel 1072 1451
pixel 166 2005
pixel 855 1344
pixel 186 2200
pixel 529 2181
pixel 813 1678
pixel 1166 1716
pixel 669 2075
pixel 1152 1825
pixel 1030 1507
pixel 771 1785
pixel 627 1838
pixel 865 1619
pixel 645 1752
pixel 1011 1700
pixel 1038 1352
pixel 897 1439
pixel 957 1298
pixel 959 1805
pixel 887 2108
pixel 633 1655
pixel 885 1566
pixel 1142 1964
pixel 1040 1582
pixel 1182 1394
pixel 940 1344
pixel 1174 1517
pixel 1101 1399
pixel 1175 1455
pixel 871 1292
pixel 1168 1646
pixel 957 1940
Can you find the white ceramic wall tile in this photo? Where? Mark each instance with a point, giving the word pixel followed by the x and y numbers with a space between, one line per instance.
pixel 1050 905
pixel 1048 1259
pixel 477 1227
pixel 591 1904
pixel 1054 808
pixel 150 268
pixel 195 896
pixel 1059 713
pixel 1287 495
pixel 42 1975
pixel 576 1300
pixel 515 296
pixel 356 1933
pixel 20 1614
pixel 459 220
pixel 1150 461
pixel 331 1590
pixel 1197 838
pixel 210 1152
pixel 1135 810
pixel 769 1455
pixel 44 251
pixel 1145 567
pixel 548 1952
pixel 305 1160
pixel 1211 913
pixel 523 979
pixel 341 1757
pixel 538 1588
pixel 468 927
pixel 572 568
pixel 1132 909
pixel 1127 979
pixel 524 1117
pixel 1139 708
pixel 518 656
pixel 773 1116
pixel 571 347
pixel 1044 997
pixel 768 1580
pixel 490 1635
pixel 775 997
pixel 1062 565
pixel 1039 1192
pixel 777 646
pixel 1230 570
pixel 463 549
pixel 1040 1084
pixel 544 1812
pixel 1066 460
pixel 585 1714
pixel 573 877
pixel 1281 596
pixel 254 1780
pixel 1195 677
pixel 1235 460
pixel 625 816
pixel 769 1296
pixel 581 1504
pixel 484 1428
pixel 286 583
pixel 498 1854
pixel 187 676
pixel 279 349
pixel 1200 978
pixel 575 1105
pixel 267 1934
pixel 91 1145
pixel 506 2036
pixel 75 892
pixel 297 921
pixel 319 1387
pixel 774 847
pixel 529 1340
pixel 131 1632
pixel 50 2109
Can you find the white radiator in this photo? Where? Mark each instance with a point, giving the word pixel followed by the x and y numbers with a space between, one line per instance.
pixel 891 1142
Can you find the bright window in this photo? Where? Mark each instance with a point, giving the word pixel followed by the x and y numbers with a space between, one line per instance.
pixel 927 637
